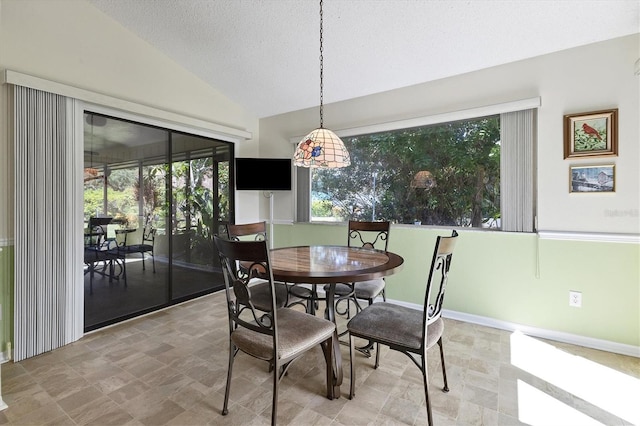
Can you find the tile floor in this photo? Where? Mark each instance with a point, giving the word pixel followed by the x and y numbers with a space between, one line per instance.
pixel 169 368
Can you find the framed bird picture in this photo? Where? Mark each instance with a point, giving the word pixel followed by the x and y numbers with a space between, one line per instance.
pixel 591 134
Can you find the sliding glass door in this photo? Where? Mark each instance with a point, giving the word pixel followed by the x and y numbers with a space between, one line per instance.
pixel 200 207
pixel 153 200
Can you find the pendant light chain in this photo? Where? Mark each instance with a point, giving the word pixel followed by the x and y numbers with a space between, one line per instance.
pixel 321 71
pixel 321 148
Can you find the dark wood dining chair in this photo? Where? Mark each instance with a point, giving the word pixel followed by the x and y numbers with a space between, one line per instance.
pixel 409 331
pixel 257 231
pixel 277 335
pixel 373 235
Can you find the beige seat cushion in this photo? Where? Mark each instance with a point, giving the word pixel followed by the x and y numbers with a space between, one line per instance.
pixel 394 324
pixel 364 289
pixel 297 332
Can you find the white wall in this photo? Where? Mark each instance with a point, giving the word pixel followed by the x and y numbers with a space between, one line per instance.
pixel 589 78
pixel 72 42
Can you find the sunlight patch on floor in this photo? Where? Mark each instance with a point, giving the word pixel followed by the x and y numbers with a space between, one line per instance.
pixel 608 389
pixel 537 408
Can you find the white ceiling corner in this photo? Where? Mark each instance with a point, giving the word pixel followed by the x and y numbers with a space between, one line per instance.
pixel 264 54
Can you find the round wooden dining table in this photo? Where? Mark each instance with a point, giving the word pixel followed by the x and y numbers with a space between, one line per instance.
pixel 332 265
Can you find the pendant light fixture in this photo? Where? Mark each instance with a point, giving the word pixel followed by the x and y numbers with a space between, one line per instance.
pixel 321 148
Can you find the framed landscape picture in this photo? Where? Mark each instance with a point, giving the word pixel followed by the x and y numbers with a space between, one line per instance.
pixel 592 178
pixel 591 134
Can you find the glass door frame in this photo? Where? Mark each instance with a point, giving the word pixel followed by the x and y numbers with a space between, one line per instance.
pixel 171 128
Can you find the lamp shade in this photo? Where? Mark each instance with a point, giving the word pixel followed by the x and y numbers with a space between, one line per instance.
pixel 423 179
pixel 321 148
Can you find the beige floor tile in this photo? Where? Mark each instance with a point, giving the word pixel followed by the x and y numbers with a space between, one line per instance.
pixel 401 410
pixel 170 368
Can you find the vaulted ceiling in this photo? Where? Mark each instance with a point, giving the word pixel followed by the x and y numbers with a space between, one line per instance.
pixel 264 54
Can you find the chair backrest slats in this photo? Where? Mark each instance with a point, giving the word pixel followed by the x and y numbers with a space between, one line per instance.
pixel 241 261
pixel 258 230
pixel 368 234
pixel 437 281
pixel 148 234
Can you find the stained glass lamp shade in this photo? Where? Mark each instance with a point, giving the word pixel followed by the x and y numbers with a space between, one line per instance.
pixel 321 148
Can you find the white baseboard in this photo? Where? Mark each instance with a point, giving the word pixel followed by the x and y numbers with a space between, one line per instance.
pixel 558 336
pixel 3 405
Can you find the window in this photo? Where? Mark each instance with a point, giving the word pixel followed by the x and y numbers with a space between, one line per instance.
pixel 475 172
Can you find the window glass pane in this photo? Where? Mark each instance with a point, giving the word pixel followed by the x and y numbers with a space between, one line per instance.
pixel 122 203
pixel 124 193
pixel 446 174
pixel 154 195
pixel 200 204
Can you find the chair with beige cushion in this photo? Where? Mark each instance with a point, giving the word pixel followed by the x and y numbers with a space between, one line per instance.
pixel 257 231
pixel 372 235
pixel 409 331
pixel 276 335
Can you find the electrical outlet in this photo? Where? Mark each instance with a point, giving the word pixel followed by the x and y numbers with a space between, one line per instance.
pixel 575 299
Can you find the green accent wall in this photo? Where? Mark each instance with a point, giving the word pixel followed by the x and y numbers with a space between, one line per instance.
pixel 6 296
pixel 513 277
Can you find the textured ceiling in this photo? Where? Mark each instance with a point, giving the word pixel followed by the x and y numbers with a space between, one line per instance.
pixel 264 54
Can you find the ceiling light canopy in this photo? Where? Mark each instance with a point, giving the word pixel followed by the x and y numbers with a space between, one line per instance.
pixel 321 148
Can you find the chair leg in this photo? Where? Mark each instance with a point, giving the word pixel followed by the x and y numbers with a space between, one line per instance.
pixel 124 270
pixel 327 350
pixel 352 370
pixel 91 269
pixel 153 260
pixel 225 407
pixel 444 370
pixel 311 301
pixel 143 268
pixel 316 302
pixel 274 403
pixel 356 303
pixel 425 379
pixel 377 355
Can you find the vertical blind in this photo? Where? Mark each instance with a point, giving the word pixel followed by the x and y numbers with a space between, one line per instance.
pixel 303 194
pixel 48 272
pixel 517 170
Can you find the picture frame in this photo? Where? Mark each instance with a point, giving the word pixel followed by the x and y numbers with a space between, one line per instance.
pixel 592 178
pixel 591 134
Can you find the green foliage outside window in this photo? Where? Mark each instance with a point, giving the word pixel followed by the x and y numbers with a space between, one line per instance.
pixel 121 196
pixel 322 208
pixel 193 198
pixel 462 160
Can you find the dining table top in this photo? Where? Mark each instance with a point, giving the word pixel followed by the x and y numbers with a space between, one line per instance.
pixel 325 264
